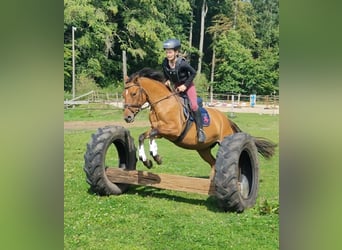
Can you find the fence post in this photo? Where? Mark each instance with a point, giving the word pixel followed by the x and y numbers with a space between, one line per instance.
pixel 232 109
pixel 273 109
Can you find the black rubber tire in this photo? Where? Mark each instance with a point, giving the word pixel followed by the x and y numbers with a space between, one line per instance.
pixel 237 173
pixel 95 157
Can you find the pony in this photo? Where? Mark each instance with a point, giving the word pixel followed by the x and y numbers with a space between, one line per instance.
pixel 168 119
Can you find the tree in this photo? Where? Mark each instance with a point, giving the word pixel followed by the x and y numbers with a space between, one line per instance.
pixel 234 64
pixel 267 21
pixel 203 14
pixel 107 28
pixel 67 68
pixel 245 21
pixel 221 25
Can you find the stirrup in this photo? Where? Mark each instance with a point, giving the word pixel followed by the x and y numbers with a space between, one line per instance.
pixel 201 136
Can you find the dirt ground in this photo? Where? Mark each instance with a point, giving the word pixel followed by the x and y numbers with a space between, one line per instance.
pixel 78 125
pixel 85 125
pixel 259 109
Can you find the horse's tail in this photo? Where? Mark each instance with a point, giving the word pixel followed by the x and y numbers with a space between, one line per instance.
pixel 235 127
pixel 264 146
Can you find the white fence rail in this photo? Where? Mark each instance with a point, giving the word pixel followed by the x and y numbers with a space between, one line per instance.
pixel 219 100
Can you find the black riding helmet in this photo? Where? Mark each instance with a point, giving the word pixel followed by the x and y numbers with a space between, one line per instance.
pixel 172 44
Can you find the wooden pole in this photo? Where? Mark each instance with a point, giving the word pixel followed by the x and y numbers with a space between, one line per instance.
pixel 190 36
pixel 212 72
pixel 73 62
pixel 124 64
pixel 203 14
pixel 163 181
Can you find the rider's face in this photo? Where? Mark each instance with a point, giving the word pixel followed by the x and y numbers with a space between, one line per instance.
pixel 170 54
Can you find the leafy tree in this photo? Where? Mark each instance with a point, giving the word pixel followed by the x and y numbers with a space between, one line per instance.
pixel 267 25
pixel 237 70
pixel 245 21
pixel 234 64
pixel 247 58
pixel 67 68
pixel 92 37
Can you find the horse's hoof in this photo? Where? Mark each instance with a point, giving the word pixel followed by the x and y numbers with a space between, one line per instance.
pixel 158 159
pixel 148 164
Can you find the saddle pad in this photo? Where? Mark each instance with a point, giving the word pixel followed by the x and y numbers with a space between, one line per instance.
pixel 204 114
pixel 205 117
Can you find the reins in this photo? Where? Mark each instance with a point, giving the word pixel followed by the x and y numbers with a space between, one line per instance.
pixel 164 98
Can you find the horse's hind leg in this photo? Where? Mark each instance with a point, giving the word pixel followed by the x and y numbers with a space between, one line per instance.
pixel 154 151
pixel 142 156
pixel 209 158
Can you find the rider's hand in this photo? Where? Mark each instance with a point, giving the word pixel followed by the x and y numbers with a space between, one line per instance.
pixel 181 88
pixel 167 83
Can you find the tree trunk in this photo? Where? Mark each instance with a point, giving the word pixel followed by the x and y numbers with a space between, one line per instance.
pixel 124 65
pixel 190 36
pixel 203 14
pixel 235 14
pixel 212 74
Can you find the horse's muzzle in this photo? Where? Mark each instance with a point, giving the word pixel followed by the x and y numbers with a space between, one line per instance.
pixel 129 114
pixel 129 118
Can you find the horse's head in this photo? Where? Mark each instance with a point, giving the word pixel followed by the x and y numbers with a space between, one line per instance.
pixel 134 98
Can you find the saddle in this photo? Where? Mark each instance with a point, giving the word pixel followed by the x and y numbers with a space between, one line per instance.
pixel 189 115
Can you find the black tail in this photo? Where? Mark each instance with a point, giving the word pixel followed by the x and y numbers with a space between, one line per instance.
pixel 234 126
pixel 265 147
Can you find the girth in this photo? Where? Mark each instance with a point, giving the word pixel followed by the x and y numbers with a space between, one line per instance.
pixel 186 105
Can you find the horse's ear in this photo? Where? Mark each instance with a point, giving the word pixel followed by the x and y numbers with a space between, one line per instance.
pixel 126 78
pixel 135 79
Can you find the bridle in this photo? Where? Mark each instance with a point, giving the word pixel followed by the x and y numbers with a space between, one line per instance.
pixel 129 106
pixel 139 106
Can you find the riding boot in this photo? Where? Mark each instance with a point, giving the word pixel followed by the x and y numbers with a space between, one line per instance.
pixel 199 125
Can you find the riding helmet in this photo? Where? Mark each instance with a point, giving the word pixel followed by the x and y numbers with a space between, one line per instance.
pixel 172 44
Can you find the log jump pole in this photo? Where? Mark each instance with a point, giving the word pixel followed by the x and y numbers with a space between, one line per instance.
pixel 162 181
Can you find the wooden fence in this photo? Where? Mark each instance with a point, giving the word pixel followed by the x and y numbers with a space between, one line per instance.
pixel 218 100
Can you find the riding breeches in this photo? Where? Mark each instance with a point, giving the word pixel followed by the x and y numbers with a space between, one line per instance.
pixel 192 95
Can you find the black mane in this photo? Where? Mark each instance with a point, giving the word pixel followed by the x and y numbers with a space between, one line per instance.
pixel 149 73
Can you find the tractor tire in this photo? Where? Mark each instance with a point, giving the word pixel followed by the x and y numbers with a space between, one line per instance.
pixel 95 159
pixel 237 173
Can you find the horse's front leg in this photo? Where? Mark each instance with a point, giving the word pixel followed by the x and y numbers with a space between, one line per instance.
pixel 154 151
pixel 142 156
pixel 152 135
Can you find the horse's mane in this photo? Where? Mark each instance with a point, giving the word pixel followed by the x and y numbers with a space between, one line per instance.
pixel 149 73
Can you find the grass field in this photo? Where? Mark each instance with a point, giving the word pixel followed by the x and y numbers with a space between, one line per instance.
pixel 148 218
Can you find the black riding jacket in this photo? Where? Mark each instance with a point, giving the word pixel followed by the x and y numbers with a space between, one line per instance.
pixel 183 73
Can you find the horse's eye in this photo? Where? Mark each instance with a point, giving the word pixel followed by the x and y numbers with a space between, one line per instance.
pixel 134 94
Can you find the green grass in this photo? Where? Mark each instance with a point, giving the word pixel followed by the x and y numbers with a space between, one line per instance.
pixel 98 112
pixel 149 218
pixel 92 112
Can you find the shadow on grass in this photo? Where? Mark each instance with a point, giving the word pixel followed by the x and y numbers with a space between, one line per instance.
pixel 144 191
pixel 147 191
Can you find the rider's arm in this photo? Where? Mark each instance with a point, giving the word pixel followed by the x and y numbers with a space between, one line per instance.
pixel 191 73
pixel 166 76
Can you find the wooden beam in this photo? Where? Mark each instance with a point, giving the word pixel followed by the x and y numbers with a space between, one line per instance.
pixel 163 181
